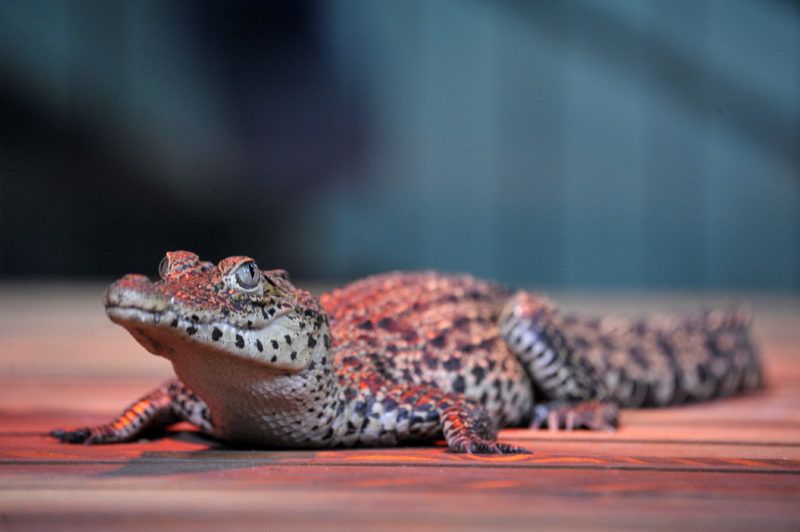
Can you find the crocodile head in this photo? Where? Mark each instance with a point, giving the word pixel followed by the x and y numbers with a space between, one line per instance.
pixel 229 309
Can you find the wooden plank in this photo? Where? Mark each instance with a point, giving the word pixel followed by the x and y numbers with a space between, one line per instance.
pixel 731 464
pixel 368 507
pixel 564 454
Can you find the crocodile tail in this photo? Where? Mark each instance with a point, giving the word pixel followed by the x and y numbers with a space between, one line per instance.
pixel 692 357
pixel 667 359
pixel 734 362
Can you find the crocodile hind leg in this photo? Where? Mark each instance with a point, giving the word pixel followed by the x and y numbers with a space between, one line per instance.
pixel 594 415
pixel 167 404
pixel 531 327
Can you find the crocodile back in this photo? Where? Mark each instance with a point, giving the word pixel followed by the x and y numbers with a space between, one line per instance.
pixel 430 328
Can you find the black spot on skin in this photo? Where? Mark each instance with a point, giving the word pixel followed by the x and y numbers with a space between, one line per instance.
pixel 581 342
pixel 274 344
pixel 452 364
pixel 216 334
pixel 249 324
pixel 366 325
pixel 311 341
pixel 461 323
pixel 389 324
pixel 264 313
pixel 288 339
pixel 293 355
pixel 476 295
pixel 431 361
pixel 274 358
pixel 488 343
pixel 259 346
pixel 174 323
pixel 195 318
pixel 191 329
pixel 239 341
pixel 326 340
pixel 324 360
pixel 458 384
pixel 312 366
pixel 479 373
pixel 271 311
pixel 410 336
pixel 438 341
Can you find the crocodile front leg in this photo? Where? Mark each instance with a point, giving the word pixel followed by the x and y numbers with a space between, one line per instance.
pixel 167 404
pixel 468 429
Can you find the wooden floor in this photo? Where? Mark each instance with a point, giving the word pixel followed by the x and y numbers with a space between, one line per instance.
pixel 732 464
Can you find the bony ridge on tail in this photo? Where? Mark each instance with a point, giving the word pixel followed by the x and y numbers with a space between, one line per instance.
pixel 401 357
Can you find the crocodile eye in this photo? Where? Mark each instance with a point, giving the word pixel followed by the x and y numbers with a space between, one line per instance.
pixel 163 266
pixel 247 275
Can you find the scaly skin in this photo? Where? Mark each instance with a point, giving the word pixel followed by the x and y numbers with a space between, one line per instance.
pixel 400 357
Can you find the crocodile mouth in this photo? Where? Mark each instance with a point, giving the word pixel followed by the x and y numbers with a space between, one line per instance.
pixel 136 315
pixel 165 333
pixel 170 319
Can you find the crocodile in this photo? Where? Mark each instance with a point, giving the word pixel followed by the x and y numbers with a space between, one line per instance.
pixel 402 357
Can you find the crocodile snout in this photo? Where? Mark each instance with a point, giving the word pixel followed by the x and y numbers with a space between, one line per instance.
pixel 135 291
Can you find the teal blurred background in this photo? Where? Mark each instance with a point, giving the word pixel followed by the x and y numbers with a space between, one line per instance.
pixel 633 144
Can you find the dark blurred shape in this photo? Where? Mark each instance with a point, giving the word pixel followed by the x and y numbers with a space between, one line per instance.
pixel 106 165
